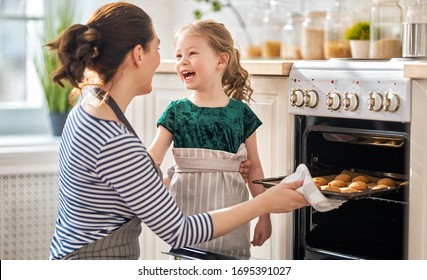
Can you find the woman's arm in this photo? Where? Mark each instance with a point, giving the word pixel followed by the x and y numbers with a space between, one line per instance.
pixel 281 198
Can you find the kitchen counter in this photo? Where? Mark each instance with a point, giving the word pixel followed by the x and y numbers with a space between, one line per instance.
pixel 415 70
pixel 254 67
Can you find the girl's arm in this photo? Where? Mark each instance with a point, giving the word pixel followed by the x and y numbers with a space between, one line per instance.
pixel 263 227
pixel 256 171
pixel 160 144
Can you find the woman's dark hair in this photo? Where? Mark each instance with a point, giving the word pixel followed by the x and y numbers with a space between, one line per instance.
pixel 102 44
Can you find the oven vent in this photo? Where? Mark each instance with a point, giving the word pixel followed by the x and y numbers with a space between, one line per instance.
pixel 28 208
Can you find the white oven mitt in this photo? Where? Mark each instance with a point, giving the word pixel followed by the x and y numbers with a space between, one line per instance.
pixel 310 191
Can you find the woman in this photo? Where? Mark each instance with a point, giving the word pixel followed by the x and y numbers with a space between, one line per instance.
pixel 108 182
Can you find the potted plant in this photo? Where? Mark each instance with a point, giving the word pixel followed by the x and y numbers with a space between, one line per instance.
pixel 58 16
pixel 358 34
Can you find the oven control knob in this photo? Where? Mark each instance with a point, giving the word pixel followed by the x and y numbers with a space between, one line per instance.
pixel 297 97
pixel 311 98
pixel 333 101
pixel 350 101
pixel 375 101
pixel 391 102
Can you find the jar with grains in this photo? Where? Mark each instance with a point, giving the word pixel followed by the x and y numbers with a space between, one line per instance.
pixel 386 29
pixel 313 34
pixel 254 26
pixel 290 47
pixel 273 21
pixel 338 19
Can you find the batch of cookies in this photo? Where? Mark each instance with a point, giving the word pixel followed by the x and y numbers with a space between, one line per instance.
pixel 346 183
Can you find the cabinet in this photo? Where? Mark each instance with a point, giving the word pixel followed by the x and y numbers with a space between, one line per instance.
pixel 270 104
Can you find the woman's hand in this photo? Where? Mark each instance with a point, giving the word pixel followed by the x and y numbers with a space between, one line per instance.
pixel 283 198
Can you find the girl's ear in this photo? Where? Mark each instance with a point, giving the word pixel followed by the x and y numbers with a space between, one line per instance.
pixel 223 60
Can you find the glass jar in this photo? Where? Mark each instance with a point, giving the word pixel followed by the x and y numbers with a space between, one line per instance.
pixel 290 47
pixel 313 34
pixel 338 19
pixel 386 29
pixel 273 22
pixel 415 30
pixel 254 29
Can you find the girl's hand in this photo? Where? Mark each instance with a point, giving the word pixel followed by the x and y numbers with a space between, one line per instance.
pixel 245 166
pixel 262 230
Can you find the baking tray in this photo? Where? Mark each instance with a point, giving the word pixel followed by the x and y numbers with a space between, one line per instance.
pixel 190 253
pixel 400 180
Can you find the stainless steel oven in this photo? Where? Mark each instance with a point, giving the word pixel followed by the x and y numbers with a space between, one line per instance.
pixel 352 116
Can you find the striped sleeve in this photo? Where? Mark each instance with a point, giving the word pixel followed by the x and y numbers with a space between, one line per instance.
pixel 123 163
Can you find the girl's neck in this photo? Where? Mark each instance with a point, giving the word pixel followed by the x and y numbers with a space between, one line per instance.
pixel 205 99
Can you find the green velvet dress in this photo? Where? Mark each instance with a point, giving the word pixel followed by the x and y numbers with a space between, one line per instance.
pixel 208 147
pixel 223 128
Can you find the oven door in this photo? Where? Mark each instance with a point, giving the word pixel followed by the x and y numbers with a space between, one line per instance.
pixel 371 228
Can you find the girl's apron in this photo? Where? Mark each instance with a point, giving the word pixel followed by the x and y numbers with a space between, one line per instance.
pixel 207 180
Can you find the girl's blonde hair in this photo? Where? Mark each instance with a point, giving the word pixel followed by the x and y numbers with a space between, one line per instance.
pixel 235 80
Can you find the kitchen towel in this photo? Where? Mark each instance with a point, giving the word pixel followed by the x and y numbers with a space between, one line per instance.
pixel 310 191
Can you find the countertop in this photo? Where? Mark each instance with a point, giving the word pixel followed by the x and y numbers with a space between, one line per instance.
pixel 415 70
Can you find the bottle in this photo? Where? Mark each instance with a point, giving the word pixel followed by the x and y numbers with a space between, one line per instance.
pixel 313 35
pixel 290 47
pixel 273 22
pixel 386 29
pixel 338 19
pixel 415 30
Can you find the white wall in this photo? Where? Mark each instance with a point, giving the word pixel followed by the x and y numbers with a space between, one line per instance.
pixel 167 15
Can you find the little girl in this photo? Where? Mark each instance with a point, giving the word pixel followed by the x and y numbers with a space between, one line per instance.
pixel 212 131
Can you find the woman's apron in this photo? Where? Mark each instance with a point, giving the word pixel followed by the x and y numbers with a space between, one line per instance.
pixel 122 244
pixel 207 180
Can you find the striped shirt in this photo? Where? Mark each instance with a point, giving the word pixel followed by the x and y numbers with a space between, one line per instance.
pixel 106 178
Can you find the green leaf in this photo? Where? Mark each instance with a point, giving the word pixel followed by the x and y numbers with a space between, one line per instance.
pixel 59 15
pixel 197 14
pixel 359 31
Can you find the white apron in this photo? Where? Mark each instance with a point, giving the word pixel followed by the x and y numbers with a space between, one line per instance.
pixel 207 180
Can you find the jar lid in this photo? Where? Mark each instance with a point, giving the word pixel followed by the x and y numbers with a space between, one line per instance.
pixel 385 1
pixel 315 14
pixel 294 16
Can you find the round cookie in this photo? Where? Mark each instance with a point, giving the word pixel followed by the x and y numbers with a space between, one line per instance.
pixel 386 181
pixel 379 187
pixel 361 178
pixel 337 183
pixel 343 177
pixel 359 185
pixel 349 190
pixel 320 181
pixel 331 189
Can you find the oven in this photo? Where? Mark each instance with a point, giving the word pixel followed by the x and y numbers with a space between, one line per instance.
pixel 353 116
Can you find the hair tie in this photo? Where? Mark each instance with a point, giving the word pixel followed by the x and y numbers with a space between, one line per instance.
pixel 95 52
